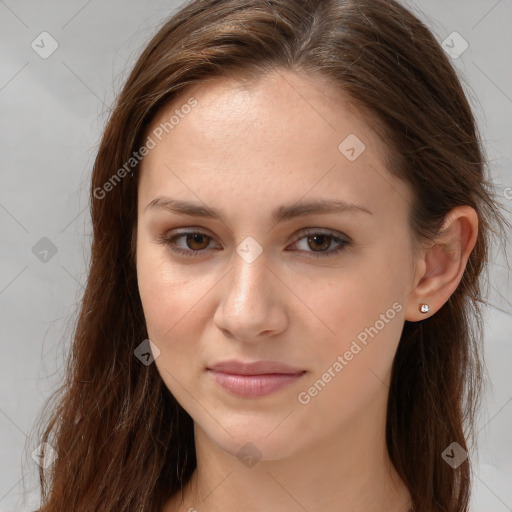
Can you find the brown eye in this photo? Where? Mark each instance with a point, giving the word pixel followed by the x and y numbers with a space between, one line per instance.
pixel 187 243
pixel 197 241
pixel 317 244
pixel 320 242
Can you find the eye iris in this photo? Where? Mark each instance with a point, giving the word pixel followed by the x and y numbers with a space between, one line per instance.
pixel 323 238
pixel 193 238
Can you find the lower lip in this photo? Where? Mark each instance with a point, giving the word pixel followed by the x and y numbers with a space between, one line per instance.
pixel 254 385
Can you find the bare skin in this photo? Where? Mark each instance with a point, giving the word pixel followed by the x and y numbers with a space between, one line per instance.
pixel 247 151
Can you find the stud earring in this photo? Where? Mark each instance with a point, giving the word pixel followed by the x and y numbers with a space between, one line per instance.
pixel 424 308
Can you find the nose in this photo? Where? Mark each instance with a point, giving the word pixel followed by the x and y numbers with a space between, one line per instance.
pixel 252 306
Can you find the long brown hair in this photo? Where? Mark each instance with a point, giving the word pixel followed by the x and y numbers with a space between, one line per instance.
pixel 123 441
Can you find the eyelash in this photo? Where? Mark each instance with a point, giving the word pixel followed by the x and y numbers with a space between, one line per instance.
pixel 168 241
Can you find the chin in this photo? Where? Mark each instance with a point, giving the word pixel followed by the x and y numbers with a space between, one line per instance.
pixel 255 441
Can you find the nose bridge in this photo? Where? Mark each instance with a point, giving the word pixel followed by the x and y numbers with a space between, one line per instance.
pixel 249 302
pixel 248 286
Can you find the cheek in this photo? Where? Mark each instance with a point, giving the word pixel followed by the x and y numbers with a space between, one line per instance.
pixel 171 305
pixel 363 309
pixel 166 293
pixel 175 305
pixel 352 364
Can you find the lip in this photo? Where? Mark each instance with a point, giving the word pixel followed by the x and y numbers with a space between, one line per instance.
pixel 254 379
pixel 254 368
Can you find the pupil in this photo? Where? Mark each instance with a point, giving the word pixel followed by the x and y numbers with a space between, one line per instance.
pixel 195 238
pixel 324 237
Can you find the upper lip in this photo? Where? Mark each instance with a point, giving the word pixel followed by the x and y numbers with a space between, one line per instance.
pixel 254 368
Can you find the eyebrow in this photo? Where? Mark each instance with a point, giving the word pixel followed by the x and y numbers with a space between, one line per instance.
pixel 280 214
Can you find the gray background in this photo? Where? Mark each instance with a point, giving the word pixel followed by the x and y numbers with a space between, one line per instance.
pixel 52 114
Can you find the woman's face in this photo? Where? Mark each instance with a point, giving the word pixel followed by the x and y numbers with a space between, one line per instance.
pixel 274 277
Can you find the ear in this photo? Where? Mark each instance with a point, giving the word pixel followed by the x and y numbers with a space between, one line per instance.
pixel 440 268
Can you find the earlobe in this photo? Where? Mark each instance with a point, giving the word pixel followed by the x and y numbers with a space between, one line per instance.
pixel 442 265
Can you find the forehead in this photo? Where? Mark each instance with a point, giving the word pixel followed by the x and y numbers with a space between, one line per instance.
pixel 285 133
pixel 265 108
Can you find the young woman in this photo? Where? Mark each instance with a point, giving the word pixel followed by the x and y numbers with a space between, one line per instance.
pixel 291 216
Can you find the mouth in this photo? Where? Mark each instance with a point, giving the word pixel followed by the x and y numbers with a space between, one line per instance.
pixel 254 379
